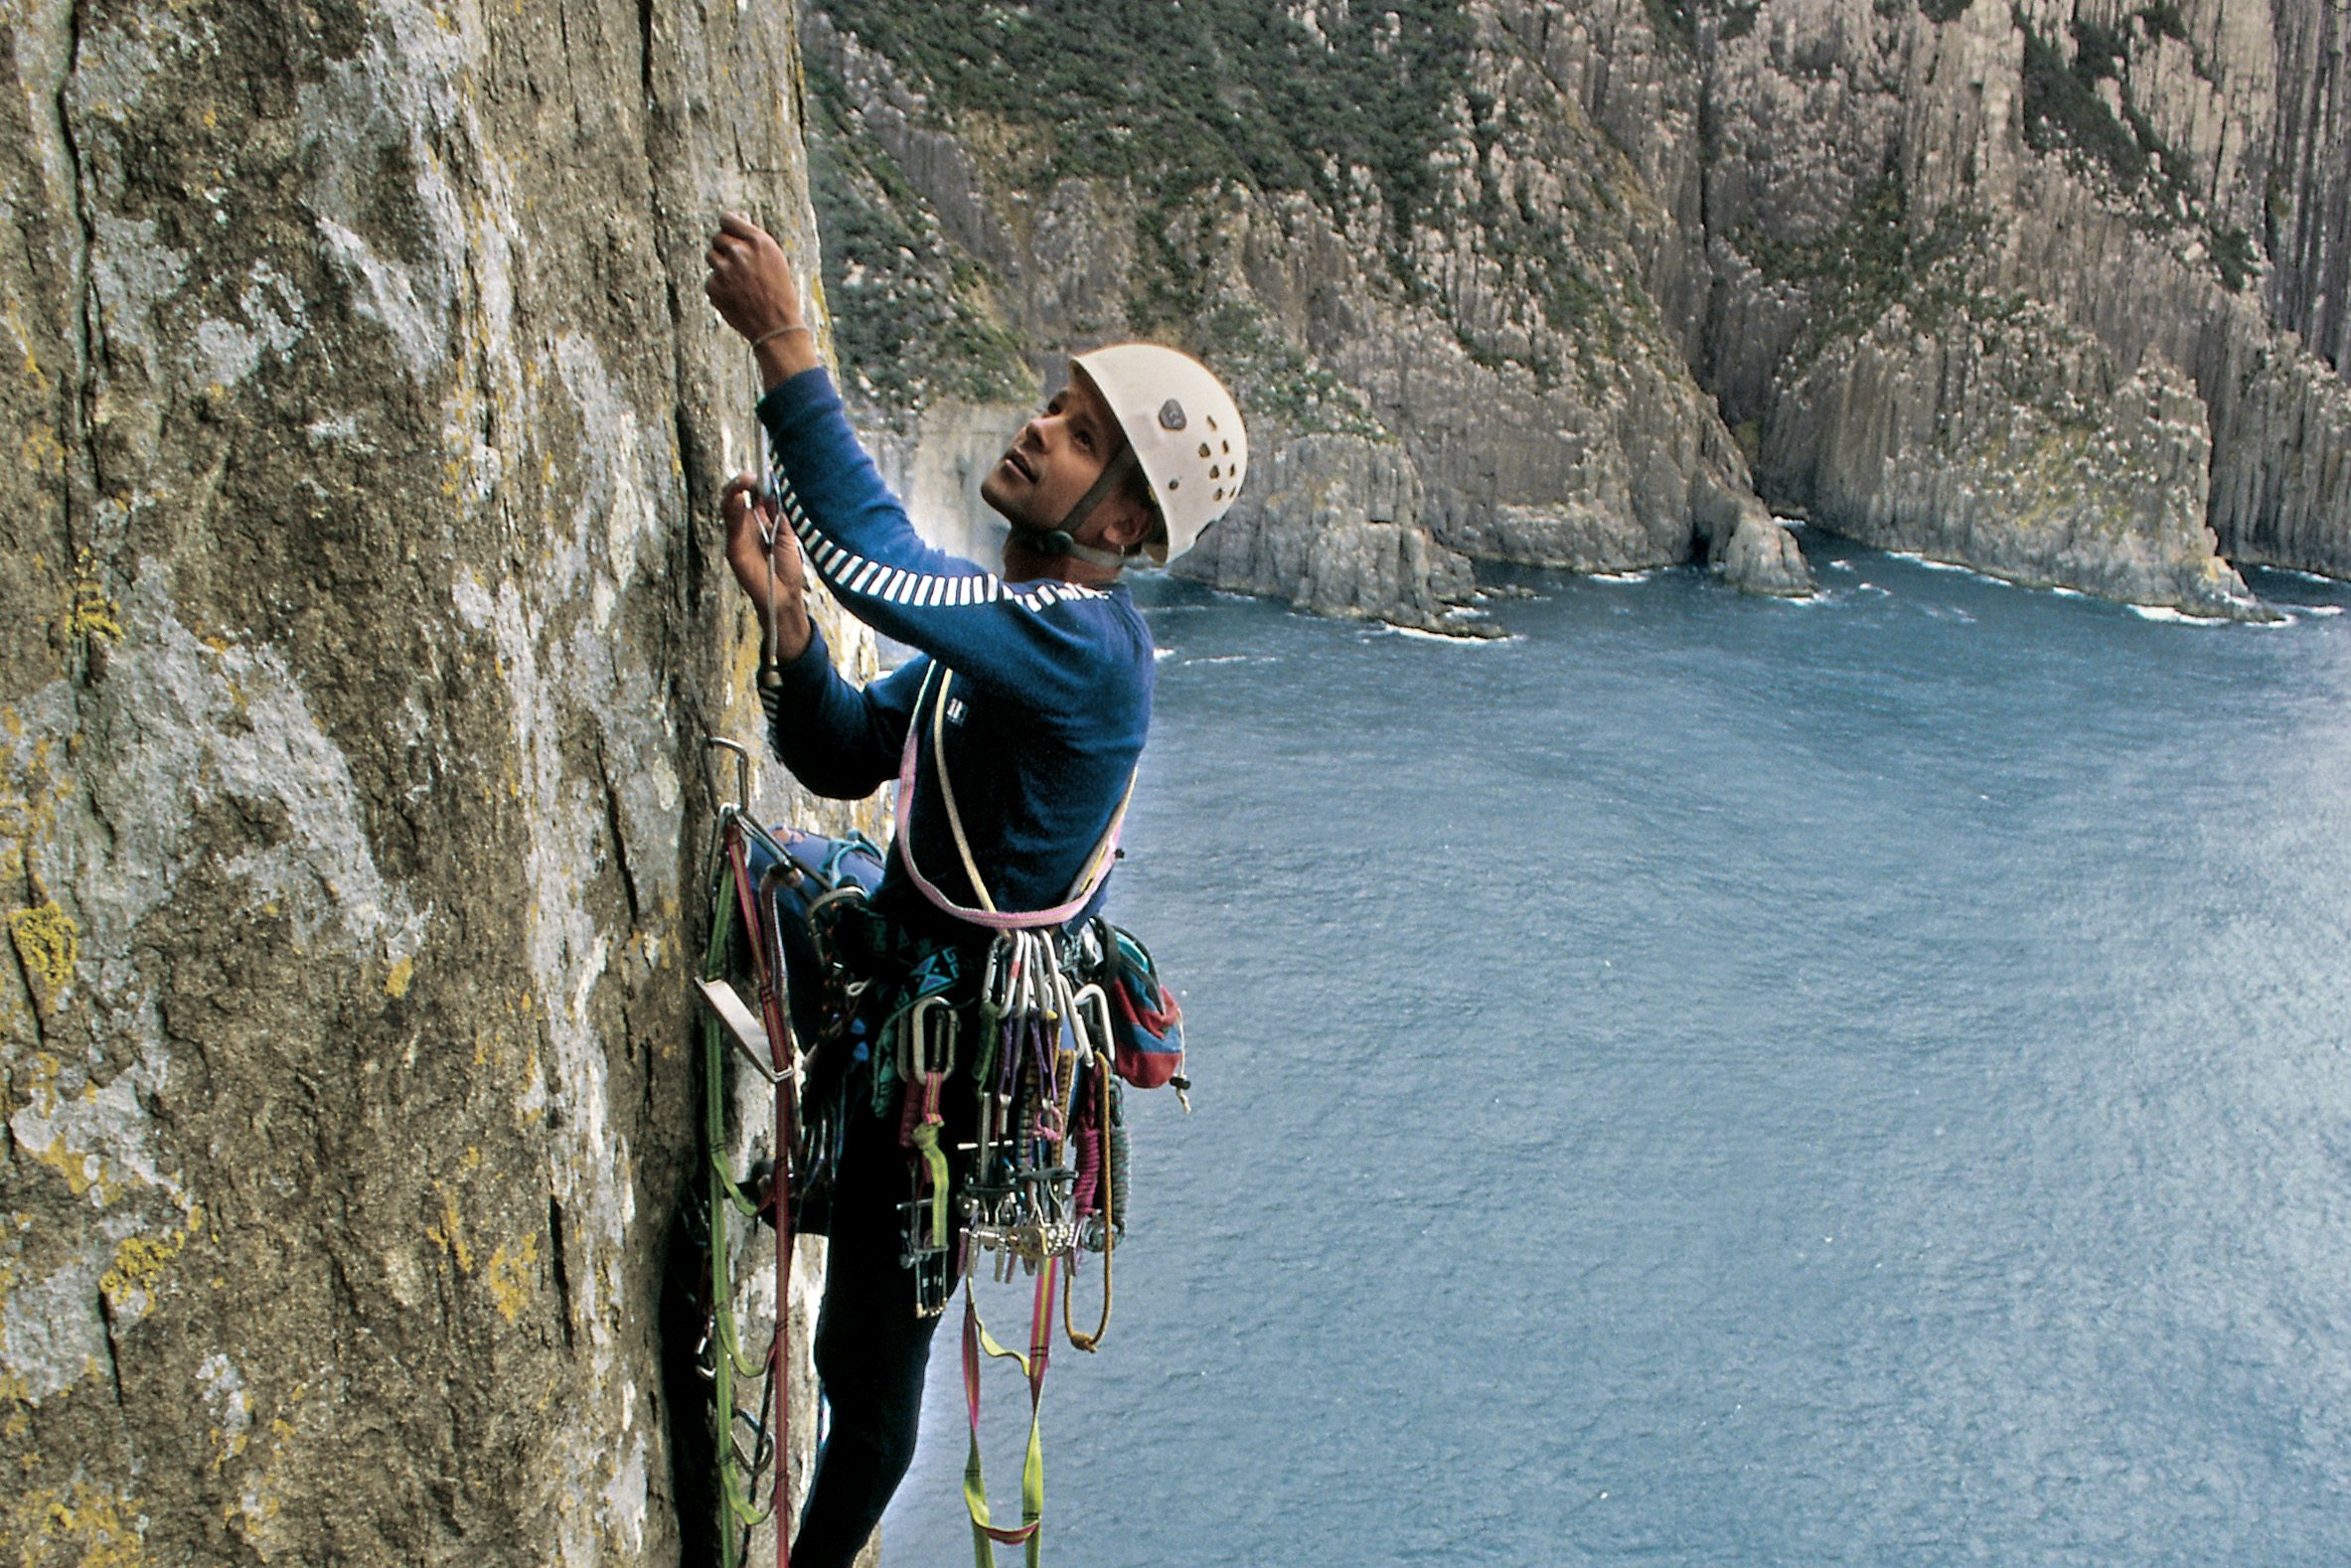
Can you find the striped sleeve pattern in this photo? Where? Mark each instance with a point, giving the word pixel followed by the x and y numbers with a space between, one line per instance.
pixel 854 576
pixel 771 696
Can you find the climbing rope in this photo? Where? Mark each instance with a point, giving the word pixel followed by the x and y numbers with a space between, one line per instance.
pixel 737 930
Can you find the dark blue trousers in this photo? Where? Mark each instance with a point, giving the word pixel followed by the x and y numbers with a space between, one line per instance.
pixel 871 1347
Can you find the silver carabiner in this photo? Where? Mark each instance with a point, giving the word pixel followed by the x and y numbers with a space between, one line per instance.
pixel 920 1046
pixel 1092 995
pixel 743 776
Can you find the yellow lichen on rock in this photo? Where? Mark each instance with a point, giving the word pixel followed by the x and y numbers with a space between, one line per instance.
pixel 16 324
pixel 396 984
pixel 139 1261
pixel 89 610
pixel 49 942
pixel 449 1234
pixel 512 1275
pixel 258 1506
pixel 44 453
pixel 88 1528
pixel 81 1168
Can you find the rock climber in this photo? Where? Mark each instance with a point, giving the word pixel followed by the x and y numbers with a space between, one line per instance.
pixel 1140 451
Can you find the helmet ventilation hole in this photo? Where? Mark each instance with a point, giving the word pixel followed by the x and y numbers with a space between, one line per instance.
pixel 1173 483
pixel 1213 473
pixel 1204 449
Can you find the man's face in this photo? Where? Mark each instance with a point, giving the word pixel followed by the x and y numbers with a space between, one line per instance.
pixel 1055 461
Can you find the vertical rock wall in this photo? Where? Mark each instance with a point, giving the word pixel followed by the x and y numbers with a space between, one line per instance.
pixel 2079 178
pixel 1335 527
pixel 2306 192
pixel 361 628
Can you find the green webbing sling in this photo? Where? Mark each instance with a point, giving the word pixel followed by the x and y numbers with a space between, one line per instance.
pixel 977 1338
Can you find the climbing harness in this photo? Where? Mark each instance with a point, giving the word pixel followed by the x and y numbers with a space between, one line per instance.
pixel 1048 1175
pixel 1089 878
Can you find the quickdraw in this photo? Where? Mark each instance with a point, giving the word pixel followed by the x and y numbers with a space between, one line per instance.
pixel 926 1057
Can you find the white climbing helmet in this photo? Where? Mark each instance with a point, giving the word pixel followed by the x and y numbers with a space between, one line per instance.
pixel 1186 431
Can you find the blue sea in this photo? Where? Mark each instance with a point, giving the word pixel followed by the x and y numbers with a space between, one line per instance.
pixel 1720 1081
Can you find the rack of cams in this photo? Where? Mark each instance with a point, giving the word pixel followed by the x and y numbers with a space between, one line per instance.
pixel 1048 1159
pixel 1050 1152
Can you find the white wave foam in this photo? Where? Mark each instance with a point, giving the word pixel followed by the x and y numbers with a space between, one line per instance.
pixel 1440 637
pixel 1624 576
pixel 1227 657
pixel 1948 565
pixel 2295 614
pixel 2168 616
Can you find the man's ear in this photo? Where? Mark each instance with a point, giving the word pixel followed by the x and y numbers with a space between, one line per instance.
pixel 1126 521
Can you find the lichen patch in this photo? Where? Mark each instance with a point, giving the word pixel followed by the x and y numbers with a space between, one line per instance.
pixel 90 611
pixel 82 1524
pixel 48 943
pixel 512 1275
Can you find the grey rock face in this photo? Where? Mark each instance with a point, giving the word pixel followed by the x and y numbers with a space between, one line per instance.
pixel 1749 548
pixel 1335 529
pixel 2286 422
pixel 2127 185
pixel 935 461
pixel 364 622
pixel 2306 188
pixel 2033 465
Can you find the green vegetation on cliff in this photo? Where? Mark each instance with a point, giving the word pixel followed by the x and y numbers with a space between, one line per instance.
pixel 1874 260
pixel 2066 110
pixel 914 318
pixel 1176 97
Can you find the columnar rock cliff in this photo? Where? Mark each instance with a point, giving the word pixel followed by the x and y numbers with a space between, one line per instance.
pixel 363 628
pixel 2061 290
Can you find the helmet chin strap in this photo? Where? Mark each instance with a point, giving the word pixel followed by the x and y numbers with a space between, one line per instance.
pixel 1063 540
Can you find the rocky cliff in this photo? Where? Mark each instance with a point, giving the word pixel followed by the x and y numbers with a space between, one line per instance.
pixel 2067 199
pixel 1930 270
pixel 363 627
pixel 1498 344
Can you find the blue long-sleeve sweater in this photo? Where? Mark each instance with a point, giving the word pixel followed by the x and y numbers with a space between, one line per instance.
pixel 1047 712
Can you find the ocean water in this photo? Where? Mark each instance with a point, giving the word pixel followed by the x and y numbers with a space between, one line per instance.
pixel 1709 1080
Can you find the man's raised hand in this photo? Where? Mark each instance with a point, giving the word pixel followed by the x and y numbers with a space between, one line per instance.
pixel 750 283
